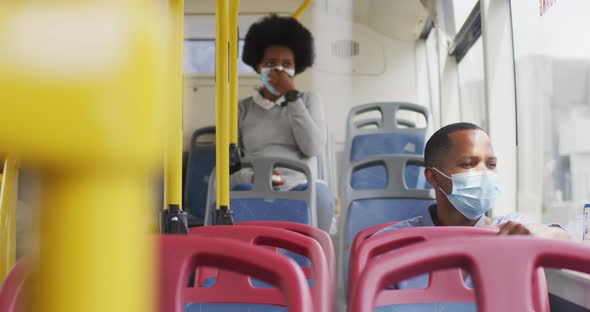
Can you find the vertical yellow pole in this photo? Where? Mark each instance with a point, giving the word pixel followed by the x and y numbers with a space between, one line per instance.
pixel 233 70
pixel 8 204
pixel 222 106
pixel 93 257
pixel 173 167
pixel 86 110
pixel 302 8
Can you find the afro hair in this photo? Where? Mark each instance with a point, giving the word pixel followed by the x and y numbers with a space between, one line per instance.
pixel 274 30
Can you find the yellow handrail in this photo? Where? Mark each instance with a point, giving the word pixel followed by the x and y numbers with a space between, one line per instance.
pixel 96 137
pixel 233 69
pixel 8 204
pixel 222 105
pixel 173 159
pixel 302 8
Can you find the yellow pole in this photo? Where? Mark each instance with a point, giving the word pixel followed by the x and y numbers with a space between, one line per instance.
pixel 302 8
pixel 222 108
pixel 92 256
pixel 173 167
pixel 233 70
pixel 8 204
pixel 87 111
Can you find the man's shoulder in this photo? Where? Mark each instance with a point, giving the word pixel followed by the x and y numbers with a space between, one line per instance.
pixel 413 222
pixel 515 217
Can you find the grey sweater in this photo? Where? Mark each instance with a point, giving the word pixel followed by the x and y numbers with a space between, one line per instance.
pixel 295 131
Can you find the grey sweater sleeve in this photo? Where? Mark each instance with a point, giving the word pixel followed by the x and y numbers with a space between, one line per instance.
pixel 306 116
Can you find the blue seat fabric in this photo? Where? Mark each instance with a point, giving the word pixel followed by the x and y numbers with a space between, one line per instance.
pixel 369 212
pixel 430 307
pixel 202 163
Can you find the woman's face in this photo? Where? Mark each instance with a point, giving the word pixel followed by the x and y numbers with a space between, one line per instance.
pixel 277 56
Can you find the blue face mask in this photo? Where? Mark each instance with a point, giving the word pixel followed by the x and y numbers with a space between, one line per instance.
pixel 474 193
pixel 264 71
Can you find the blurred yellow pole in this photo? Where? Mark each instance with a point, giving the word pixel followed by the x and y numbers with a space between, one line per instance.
pixel 233 69
pixel 222 105
pixel 87 111
pixel 92 256
pixel 302 8
pixel 173 167
pixel 8 205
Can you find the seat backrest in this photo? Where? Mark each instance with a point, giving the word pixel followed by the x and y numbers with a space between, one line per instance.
pixel 263 203
pixel 12 289
pixel 201 160
pixel 319 235
pixel 447 284
pixel 279 238
pixel 389 134
pixel 180 255
pixel 368 207
pixel 395 201
pixel 502 268
pixel 365 234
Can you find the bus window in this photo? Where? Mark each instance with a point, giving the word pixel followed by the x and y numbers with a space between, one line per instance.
pixel 552 64
pixel 471 86
pixel 461 10
pixel 199 44
pixel 199 57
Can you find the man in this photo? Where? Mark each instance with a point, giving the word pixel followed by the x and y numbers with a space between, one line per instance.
pixel 461 167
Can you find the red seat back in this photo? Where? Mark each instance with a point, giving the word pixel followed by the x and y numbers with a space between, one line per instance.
pixel 179 255
pixel 365 234
pixel 278 238
pixel 444 286
pixel 11 292
pixel 319 235
pixel 502 268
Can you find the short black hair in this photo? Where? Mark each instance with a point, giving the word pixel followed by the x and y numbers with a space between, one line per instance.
pixel 440 143
pixel 274 30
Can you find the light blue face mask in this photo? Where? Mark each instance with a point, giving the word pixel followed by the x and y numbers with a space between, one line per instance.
pixel 264 71
pixel 474 193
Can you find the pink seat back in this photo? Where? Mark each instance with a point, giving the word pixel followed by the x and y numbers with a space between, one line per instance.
pixel 502 268
pixel 179 255
pixel 445 285
pixel 319 235
pixel 278 238
pixel 365 234
pixel 12 289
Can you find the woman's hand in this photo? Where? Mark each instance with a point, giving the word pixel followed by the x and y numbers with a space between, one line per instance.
pixel 281 81
pixel 277 179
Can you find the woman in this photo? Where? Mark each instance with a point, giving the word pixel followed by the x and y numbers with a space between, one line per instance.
pixel 279 120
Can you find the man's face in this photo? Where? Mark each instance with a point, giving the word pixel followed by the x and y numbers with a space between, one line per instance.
pixel 471 150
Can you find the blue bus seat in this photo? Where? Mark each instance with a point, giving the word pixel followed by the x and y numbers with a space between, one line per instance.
pixel 394 201
pixel 389 135
pixel 260 202
pixel 201 160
